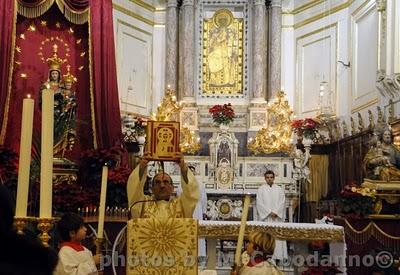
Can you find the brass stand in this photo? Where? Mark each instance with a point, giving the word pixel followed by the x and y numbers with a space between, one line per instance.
pixel 99 243
pixel 20 223
pixel 44 226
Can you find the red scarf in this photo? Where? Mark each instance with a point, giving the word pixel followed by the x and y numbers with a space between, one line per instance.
pixel 74 245
pixel 255 261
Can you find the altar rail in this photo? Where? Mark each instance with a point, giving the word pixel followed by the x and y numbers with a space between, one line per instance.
pixel 285 231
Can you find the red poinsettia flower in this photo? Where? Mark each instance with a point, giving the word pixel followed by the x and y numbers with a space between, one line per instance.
pixel 222 114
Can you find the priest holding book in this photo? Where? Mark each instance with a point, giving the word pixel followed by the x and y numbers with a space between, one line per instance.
pixel 161 204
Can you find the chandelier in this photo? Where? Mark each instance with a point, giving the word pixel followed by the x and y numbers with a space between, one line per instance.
pixel 168 108
pixel 189 143
pixel 277 136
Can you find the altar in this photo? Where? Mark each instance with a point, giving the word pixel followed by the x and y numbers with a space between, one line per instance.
pixel 298 233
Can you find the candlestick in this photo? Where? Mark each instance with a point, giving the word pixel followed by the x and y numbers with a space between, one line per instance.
pixel 241 230
pixel 102 207
pixel 46 164
pixel 44 226
pixel 24 157
pixel 99 243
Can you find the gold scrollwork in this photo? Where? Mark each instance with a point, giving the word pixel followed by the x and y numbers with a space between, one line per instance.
pixel 285 233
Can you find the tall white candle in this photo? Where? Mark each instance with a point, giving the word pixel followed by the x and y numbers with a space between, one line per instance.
pixel 46 164
pixel 242 230
pixel 24 157
pixel 102 207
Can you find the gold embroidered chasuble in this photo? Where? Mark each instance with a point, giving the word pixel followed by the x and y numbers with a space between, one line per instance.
pixel 180 207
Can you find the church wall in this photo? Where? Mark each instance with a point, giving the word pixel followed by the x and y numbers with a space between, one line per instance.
pixel 137 32
pixel 318 47
pixel 348 31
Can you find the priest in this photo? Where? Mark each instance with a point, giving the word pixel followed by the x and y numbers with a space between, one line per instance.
pixel 161 204
pixel 270 202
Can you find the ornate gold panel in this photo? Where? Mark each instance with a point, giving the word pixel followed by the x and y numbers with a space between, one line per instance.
pixel 223 54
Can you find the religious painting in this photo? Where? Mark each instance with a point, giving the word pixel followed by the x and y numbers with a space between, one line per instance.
pixel 222 66
pixel 163 140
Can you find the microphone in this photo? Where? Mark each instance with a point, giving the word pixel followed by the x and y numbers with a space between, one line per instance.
pixel 133 204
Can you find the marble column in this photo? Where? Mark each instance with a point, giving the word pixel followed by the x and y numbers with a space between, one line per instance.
pixel 171 37
pixel 274 79
pixel 188 50
pixel 259 54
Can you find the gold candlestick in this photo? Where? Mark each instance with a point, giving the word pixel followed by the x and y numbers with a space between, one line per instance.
pixel 99 243
pixel 20 223
pixel 44 226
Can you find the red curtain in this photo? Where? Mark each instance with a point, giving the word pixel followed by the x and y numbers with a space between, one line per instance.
pixel 106 102
pixel 7 16
pixel 100 104
pixel 34 44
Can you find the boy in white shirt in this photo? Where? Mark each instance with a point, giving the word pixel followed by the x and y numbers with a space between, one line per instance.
pixel 74 258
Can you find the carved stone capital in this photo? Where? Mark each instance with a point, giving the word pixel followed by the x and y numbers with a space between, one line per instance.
pixel 172 4
pixel 188 3
pixel 259 2
pixel 276 3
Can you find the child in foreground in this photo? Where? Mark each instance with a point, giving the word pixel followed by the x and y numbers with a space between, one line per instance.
pixel 74 258
pixel 260 249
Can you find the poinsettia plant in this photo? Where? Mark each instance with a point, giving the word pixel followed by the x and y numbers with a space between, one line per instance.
pixel 8 168
pixel 222 114
pixel 307 127
pixel 356 201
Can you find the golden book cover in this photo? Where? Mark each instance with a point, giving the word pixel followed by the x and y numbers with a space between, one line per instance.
pixel 162 140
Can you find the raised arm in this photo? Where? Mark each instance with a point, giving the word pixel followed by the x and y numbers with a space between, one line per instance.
pixel 135 186
pixel 190 190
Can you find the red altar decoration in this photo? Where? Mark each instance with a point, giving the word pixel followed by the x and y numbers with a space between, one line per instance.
pixel 369 236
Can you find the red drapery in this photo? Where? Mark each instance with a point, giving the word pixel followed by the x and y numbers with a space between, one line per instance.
pixel 106 102
pixel 32 45
pixel 102 106
pixel 7 25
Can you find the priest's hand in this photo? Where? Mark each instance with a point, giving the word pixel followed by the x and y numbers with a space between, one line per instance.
pixel 183 166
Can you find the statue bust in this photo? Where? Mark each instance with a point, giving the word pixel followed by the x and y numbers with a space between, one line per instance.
pixel 382 162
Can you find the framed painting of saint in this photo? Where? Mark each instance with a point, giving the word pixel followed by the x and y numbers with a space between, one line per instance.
pixel 162 140
pixel 222 54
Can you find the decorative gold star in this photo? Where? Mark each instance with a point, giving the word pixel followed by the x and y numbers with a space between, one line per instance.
pixel 67 49
pixel 24 75
pixel 32 28
pixel 52 38
pixel 40 48
pixel 18 49
pixel 58 25
pixel 18 62
pixel 40 53
pixel 67 55
pixel 78 41
pixel 43 23
pixel 71 30
pixel 83 54
pixel 22 36
pixel 80 68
